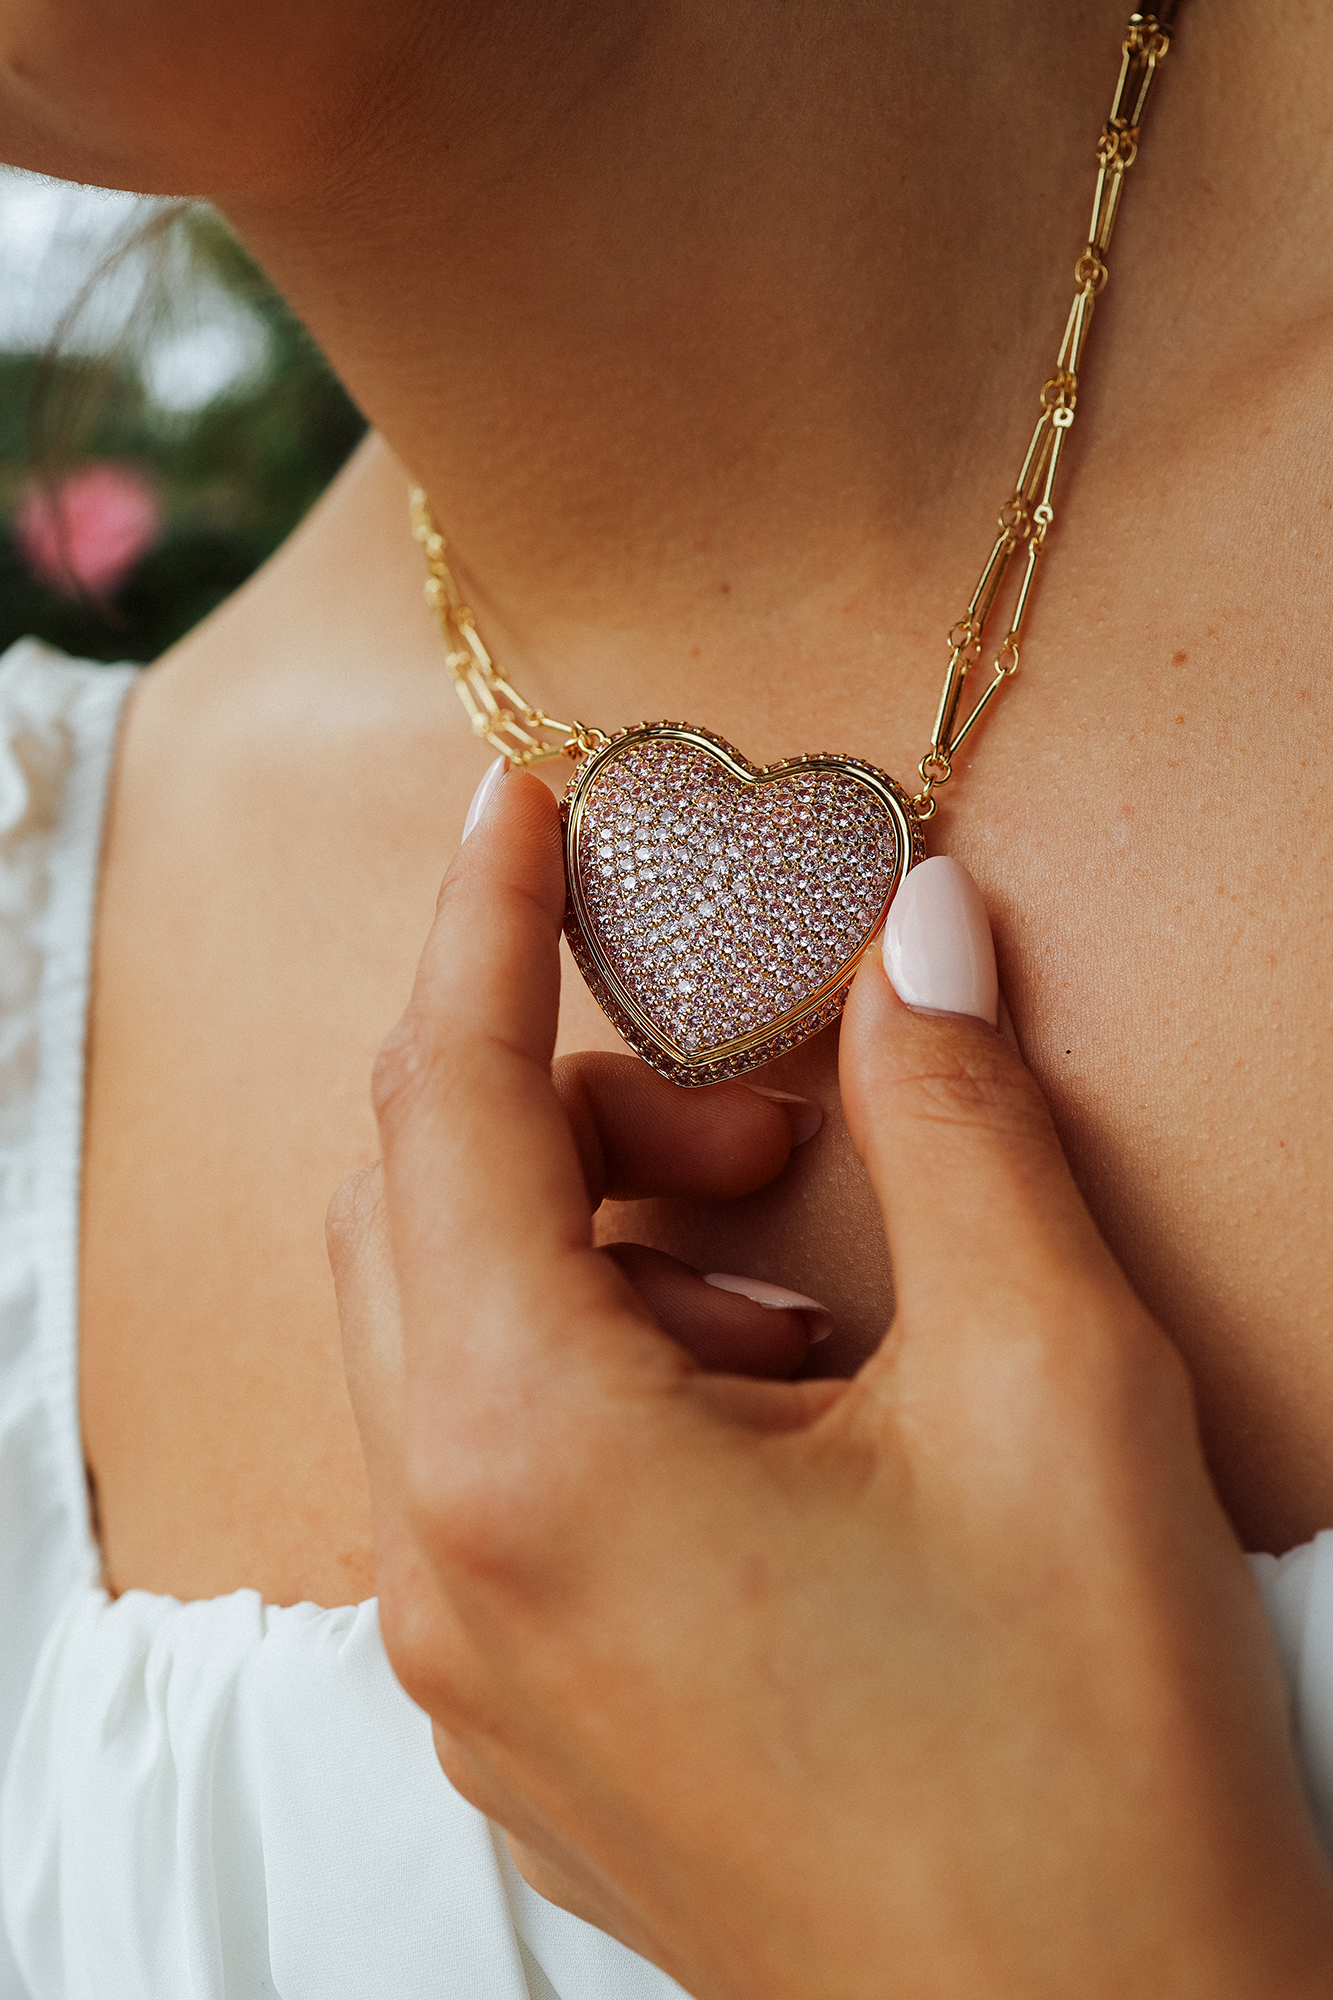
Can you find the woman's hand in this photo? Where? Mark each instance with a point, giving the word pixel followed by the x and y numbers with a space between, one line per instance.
pixel 949 1680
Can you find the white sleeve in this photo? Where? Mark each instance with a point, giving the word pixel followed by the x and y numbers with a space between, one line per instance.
pixel 1298 1595
pixel 223 1800
pixel 220 1800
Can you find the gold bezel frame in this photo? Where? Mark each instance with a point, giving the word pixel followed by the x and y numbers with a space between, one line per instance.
pixel 785 1031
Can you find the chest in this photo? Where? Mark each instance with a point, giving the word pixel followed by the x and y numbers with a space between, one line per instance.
pixel 1145 817
pixel 1150 831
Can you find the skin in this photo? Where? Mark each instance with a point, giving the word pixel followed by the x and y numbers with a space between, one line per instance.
pixel 714 334
pixel 955 1681
pixel 716 341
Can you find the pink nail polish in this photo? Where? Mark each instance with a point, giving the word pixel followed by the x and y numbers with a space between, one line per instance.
pixel 774 1298
pixel 937 943
pixel 803 1115
pixel 484 793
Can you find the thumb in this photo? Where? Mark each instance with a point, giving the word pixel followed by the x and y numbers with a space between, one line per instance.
pixel 977 1198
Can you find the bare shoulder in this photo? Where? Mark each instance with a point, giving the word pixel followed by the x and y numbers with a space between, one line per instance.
pixel 285 804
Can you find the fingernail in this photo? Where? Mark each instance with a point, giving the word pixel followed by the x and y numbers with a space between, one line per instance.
pixel 937 943
pixel 484 793
pixel 775 1299
pixel 803 1115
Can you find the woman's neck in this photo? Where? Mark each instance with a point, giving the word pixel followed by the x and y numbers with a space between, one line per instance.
pixel 711 324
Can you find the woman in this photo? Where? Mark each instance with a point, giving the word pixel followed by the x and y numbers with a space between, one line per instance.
pixel 680 318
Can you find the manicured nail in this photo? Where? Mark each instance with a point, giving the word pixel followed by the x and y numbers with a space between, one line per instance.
pixel 803 1115
pixel 484 793
pixel 937 943
pixel 775 1299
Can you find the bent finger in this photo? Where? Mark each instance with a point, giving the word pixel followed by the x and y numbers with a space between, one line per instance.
pixel 639 1135
pixel 731 1325
pixel 489 1214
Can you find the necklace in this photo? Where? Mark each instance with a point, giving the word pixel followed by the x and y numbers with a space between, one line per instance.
pixel 716 909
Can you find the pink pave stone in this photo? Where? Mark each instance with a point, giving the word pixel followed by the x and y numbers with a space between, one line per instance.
pixel 724 905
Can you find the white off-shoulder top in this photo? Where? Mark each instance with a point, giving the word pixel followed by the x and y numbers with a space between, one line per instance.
pixel 224 1799
pixel 208 1801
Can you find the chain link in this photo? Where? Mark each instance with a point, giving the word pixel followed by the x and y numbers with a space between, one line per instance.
pixel 1027 515
pixel 499 715
pixel 526 735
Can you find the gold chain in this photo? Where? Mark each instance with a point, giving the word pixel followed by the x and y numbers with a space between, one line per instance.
pixel 499 714
pixel 526 735
pixel 1028 513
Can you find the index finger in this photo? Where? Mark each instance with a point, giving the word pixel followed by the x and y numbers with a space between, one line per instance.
pixel 487 1208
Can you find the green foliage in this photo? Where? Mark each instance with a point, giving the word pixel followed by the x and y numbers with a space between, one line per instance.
pixel 233 478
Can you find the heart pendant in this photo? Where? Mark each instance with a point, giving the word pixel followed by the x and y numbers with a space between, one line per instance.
pixel 716 910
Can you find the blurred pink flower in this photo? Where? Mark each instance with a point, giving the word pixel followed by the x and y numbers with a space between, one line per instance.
pixel 87 532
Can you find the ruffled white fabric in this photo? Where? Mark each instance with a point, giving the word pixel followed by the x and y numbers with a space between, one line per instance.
pixel 222 1800
pixel 1298 1595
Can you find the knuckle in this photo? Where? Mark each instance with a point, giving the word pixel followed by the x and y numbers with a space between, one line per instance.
pixel 353 1215
pixel 484 1519
pixel 429 1657
pixel 738 1141
pixel 404 1065
pixel 515 1510
pixel 588 1069
pixel 453 887
pixel 576 1080
pixel 980 1091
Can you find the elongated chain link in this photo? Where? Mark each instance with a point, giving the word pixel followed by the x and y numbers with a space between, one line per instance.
pixel 510 724
pixel 498 713
pixel 1027 515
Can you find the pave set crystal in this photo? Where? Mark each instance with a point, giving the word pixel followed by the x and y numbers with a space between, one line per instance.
pixel 725 903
